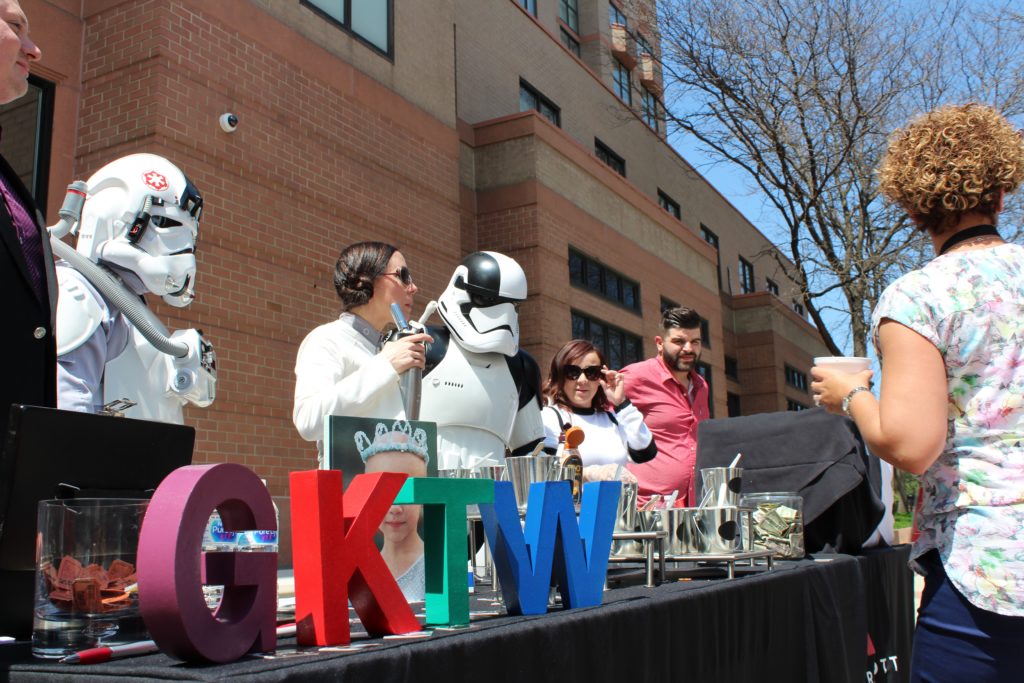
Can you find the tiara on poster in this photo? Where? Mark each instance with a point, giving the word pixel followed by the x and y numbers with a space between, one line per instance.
pixel 400 437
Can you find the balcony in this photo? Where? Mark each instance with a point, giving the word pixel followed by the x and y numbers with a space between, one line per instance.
pixel 649 73
pixel 620 45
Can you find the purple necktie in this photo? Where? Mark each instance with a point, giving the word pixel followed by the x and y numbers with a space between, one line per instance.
pixel 28 235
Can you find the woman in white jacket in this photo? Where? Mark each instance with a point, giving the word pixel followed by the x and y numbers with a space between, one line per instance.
pixel 340 368
pixel 581 391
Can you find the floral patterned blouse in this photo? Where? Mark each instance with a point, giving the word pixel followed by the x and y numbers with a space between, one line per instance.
pixel 970 305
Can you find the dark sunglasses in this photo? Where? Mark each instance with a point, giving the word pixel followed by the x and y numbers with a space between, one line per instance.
pixel 592 372
pixel 403 275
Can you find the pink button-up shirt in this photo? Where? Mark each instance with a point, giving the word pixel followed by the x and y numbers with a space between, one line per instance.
pixel 671 413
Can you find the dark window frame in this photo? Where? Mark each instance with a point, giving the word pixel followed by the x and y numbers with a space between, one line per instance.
pixel 624 91
pixel 796 379
pixel 583 328
pixel 649 109
pixel 529 5
pixel 571 43
pixel 540 99
pixel 771 286
pixel 609 157
pixel 345 24
pixel 795 406
pixel 711 238
pixel 39 185
pixel 616 15
pixel 746 276
pixel 667 303
pixel 704 370
pixel 705 333
pixel 670 205
pixel 567 9
pixel 732 368
pixel 593 272
pixel 733 404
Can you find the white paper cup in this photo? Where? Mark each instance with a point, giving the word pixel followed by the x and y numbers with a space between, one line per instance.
pixel 848 364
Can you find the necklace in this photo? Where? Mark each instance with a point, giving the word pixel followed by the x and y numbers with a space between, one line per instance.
pixel 968 234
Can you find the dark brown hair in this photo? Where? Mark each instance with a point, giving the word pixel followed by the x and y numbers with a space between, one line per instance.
pixel 680 317
pixel 358 266
pixel 570 354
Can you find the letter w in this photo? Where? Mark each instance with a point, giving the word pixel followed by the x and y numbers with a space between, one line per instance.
pixel 553 543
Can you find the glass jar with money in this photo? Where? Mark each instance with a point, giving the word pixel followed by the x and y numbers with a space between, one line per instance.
pixel 777 521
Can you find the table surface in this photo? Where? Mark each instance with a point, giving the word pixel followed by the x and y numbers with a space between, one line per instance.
pixel 804 621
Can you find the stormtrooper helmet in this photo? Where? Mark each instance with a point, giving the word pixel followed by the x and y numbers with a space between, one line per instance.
pixel 141 215
pixel 480 304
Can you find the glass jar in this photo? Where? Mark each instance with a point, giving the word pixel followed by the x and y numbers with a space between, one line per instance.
pixel 777 523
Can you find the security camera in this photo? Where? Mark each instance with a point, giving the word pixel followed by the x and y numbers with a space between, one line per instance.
pixel 228 122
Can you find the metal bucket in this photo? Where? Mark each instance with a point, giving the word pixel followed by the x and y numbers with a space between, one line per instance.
pixel 678 522
pixel 524 470
pixel 724 483
pixel 716 530
pixel 626 521
pixel 495 472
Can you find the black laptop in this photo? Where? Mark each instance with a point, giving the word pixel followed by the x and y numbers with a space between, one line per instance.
pixel 50 453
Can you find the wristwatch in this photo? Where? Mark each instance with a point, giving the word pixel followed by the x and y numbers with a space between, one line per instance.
pixel 849 397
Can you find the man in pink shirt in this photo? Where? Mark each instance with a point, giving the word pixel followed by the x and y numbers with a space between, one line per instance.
pixel 673 398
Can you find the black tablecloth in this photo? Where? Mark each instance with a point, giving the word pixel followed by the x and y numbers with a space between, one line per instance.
pixel 804 621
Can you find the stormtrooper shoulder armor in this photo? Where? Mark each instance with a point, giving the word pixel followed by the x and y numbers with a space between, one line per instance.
pixel 79 313
pixel 526 374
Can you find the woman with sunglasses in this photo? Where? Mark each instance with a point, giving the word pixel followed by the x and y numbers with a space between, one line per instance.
pixel 339 369
pixel 582 392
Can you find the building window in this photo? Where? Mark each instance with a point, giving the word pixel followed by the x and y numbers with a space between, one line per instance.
pixel 669 204
pixel 529 5
pixel 712 239
pixel 732 402
pixel 27 123
pixel 643 47
pixel 619 346
pixel 732 368
pixel 796 379
pixel 772 286
pixel 570 42
pixel 606 283
pixel 794 405
pixel 704 370
pixel 667 304
pixel 705 333
pixel 568 11
pixel 746 276
pixel 368 20
pixel 623 82
pixel 649 108
pixel 799 308
pixel 616 16
pixel 605 154
pixel 530 98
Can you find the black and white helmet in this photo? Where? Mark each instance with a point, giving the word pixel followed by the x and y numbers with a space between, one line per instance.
pixel 480 304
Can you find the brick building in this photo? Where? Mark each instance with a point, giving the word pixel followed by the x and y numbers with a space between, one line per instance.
pixel 529 127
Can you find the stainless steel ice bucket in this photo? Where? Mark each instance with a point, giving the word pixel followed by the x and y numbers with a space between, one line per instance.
pixel 716 530
pixel 678 523
pixel 524 470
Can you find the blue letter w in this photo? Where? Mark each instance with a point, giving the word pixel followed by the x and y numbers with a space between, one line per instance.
pixel 553 541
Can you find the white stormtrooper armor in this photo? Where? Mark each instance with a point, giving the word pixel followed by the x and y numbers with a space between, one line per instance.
pixel 139 224
pixel 481 390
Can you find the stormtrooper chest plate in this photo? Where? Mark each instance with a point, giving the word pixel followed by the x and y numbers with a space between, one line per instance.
pixel 471 390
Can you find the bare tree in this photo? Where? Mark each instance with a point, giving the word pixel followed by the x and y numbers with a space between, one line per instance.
pixel 801 94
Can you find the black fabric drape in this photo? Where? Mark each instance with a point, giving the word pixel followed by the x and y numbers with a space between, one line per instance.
pixel 810 452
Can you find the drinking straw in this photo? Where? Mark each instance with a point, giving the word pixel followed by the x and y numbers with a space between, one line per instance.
pixel 736 460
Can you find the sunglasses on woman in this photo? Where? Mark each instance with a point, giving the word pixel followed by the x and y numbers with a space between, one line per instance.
pixel 592 372
pixel 403 274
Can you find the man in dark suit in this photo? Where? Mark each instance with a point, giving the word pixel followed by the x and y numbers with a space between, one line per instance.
pixel 28 285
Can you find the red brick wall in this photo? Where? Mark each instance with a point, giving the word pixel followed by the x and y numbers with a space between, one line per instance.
pixel 323 157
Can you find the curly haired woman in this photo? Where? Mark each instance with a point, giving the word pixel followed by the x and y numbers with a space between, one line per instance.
pixel 951 406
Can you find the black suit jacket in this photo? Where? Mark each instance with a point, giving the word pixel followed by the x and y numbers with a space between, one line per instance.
pixel 28 346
